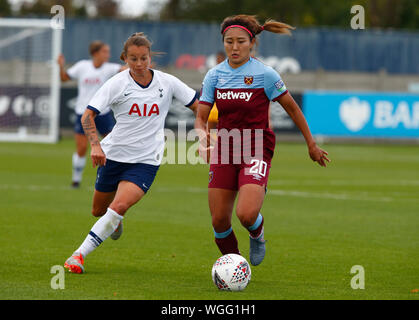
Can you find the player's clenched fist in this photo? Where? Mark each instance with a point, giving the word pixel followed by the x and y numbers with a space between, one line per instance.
pixel 98 157
pixel 205 147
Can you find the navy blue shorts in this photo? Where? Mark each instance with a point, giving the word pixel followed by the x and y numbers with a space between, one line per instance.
pixel 109 176
pixel 104 124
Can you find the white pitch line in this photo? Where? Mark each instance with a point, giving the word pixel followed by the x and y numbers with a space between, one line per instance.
pixel 298 194
pixel 326 195
pixel 32 187
pixel 271 192
pixel 346 183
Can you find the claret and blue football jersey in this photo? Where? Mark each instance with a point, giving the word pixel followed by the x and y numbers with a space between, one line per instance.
pixel 243 96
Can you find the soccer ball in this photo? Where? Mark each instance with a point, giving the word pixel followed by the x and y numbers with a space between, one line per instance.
pixel 231 272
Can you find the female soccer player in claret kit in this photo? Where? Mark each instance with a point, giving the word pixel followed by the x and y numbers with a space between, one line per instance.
pixel 90 76
pixel 128 157
pixel 242 87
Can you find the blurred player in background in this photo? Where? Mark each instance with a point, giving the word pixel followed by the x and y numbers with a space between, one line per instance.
pixel 128 157
pixel 90 76
pixel 243 87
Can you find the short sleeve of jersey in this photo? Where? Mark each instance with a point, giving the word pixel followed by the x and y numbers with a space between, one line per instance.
pixel 274 86
pixel 208 88
pixel 74 71
pixel 182 92
pixel 104 97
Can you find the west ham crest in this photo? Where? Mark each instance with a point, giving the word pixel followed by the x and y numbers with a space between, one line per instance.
pixel 211 176
pixel 248 80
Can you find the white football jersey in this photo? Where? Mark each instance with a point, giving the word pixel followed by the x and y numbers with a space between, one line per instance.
pixel 89 80
pixel 140 113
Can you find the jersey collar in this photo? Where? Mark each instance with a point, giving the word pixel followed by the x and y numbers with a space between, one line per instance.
pixel 148 85
pixel 239 68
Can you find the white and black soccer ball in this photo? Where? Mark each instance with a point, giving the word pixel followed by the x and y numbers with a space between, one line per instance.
pixel 231 272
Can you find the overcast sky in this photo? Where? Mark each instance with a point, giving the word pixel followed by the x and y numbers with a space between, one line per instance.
pixel 134 7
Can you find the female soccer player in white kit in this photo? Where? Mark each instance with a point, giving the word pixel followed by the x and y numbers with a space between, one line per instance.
pixel 90 76
pixel 128 157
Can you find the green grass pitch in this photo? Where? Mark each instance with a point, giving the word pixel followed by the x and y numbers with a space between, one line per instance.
pixel 319 222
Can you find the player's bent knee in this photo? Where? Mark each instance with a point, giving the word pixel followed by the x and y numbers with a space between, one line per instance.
pixel 119 207
pixel 221 223
pixel 247 217
pixel 98 212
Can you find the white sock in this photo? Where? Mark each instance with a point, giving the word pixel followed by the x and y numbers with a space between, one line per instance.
pixel 100 231
pixel 78 167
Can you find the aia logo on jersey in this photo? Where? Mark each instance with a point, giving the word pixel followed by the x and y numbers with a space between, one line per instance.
pixel 145 111
pixel 248 80
pixel 92 81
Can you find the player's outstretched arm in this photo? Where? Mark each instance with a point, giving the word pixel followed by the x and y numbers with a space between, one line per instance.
pixel 89 127
pixel 194 107
pixel 63 73
pixel 294 111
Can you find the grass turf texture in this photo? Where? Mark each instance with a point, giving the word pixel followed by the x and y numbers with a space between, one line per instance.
pixel 361 210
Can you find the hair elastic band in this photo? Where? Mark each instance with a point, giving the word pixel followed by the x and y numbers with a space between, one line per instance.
pixel 239 26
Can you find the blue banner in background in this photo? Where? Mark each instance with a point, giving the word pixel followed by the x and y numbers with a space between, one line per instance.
pixel 355 114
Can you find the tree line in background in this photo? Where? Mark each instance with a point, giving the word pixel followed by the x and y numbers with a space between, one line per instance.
pixel 378 13
pixel 397 14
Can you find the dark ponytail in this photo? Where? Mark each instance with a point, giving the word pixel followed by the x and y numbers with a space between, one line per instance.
pixel 253 25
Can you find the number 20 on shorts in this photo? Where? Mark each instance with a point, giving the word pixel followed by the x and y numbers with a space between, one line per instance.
pixel 259 167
